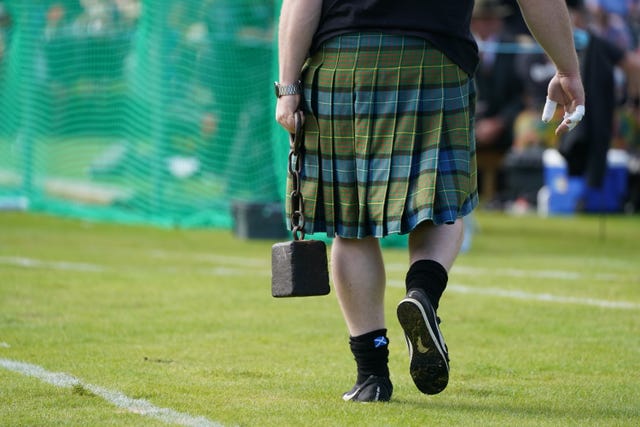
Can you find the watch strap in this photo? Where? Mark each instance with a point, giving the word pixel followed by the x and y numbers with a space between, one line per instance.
pixel 284 90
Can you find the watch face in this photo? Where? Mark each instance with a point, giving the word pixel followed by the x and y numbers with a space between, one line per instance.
pixel 276 89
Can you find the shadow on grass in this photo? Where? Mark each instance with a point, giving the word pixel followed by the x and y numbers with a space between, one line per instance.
pixel 477 410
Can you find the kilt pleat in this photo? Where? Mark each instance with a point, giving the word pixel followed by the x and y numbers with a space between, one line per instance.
pixel 388 137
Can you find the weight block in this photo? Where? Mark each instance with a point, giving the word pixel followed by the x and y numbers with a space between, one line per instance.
pixel 299 269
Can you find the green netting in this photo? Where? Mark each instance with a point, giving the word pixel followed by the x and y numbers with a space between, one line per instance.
pixel 148 111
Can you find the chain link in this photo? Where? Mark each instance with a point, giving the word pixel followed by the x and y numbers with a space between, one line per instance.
pixel 295 170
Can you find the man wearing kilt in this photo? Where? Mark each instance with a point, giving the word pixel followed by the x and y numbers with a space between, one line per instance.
pixel 387 93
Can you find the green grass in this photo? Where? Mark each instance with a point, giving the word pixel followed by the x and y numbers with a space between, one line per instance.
pixel 184 319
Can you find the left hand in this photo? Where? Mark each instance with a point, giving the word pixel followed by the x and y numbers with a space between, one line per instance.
pixel 566 90
pixel 285 107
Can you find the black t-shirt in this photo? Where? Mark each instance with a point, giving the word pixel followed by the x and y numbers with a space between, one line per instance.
pixel 445 23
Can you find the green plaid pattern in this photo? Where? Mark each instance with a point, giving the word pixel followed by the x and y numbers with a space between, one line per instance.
pixel 389 137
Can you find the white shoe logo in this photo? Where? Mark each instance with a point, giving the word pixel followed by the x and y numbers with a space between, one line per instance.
pixel 349 396
pixel 421 347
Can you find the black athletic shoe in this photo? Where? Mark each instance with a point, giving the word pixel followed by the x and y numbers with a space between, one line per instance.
pixel 374 389
pixel 429 366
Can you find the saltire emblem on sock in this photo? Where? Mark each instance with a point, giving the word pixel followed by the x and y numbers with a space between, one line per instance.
pixel 380 341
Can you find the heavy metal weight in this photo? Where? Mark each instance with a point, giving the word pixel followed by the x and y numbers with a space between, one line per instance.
pixel 298 268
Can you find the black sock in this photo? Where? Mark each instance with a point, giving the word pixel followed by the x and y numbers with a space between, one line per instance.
pixel 430 276
pixel 371 351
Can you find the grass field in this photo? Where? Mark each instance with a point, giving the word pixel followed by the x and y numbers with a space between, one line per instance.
pixel 111 325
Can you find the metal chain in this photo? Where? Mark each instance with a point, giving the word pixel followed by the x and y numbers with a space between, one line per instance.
pixel 295 170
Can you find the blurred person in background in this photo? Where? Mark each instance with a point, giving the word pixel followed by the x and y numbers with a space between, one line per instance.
pixel 611 21
pixel 586 147
pixel 389 149
pixel 611 78
pixel 499 95
pixel 514 22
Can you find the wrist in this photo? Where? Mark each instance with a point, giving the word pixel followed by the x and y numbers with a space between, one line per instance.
pixel 283 89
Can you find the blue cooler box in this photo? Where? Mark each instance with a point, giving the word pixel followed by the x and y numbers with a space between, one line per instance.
pixel 567 193
pixel 611 196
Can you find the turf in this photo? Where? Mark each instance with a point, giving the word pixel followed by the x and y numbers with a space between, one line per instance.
pixel 184 319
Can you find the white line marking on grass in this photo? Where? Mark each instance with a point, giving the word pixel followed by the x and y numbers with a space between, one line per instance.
pixel 215 258
pixel 54 265
pixel 517 294
pixel 530 296
pixel 516 272
pixel 262 267
pixel 94 268
pixel 540 274
pixel 136 406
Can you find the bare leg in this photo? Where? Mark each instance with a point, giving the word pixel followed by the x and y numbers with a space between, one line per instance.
pixel 359 279
pixel 440 243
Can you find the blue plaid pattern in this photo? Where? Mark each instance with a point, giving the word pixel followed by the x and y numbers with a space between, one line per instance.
pixel 389 137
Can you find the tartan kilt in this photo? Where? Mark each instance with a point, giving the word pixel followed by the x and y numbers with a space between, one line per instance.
pixel 389 139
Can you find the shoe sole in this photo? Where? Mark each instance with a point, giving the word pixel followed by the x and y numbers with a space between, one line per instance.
pixel 428 368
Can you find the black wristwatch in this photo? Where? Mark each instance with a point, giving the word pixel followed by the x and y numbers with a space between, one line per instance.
pixel 283 90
